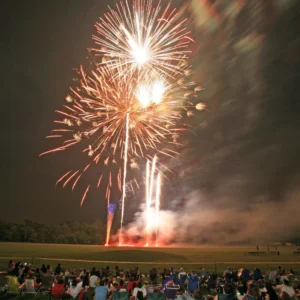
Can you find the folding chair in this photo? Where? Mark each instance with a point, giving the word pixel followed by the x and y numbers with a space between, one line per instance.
pixel 29 287
pixel 193 283
pixel 46 283
pixel 156 296
pixel 182 279
pixel 58 291
pixel 120 295
pixel 171 291
pixel 272 275
pixel 12 286
pixel 131 284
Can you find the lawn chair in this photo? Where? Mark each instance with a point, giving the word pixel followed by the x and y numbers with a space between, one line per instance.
pixel 171 291
pixel 131 284
pixel 58 291
pixel 272 275
pixel 46 283
pixel 29 287
pixel 12 286
pixel 120 295
pixel 156 296
pixel 182 279
pixel 193 283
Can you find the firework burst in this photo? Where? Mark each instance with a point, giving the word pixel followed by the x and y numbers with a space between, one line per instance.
pixel 143 36
pixel 115 118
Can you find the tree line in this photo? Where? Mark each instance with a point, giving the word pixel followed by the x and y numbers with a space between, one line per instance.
pixel 73 232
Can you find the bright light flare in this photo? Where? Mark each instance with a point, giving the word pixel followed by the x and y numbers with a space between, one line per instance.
pixel 151 92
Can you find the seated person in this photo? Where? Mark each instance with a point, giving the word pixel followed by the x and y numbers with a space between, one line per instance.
pixel 122 287
pixel 228 293
pixel 75 288
pixel 140 292
pixel 101 291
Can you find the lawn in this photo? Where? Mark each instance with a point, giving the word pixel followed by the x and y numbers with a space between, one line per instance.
pixel 213 258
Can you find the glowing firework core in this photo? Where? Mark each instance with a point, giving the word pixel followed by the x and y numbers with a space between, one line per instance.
pixel 151 93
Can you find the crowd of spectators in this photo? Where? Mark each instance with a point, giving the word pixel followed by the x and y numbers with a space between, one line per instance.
pixel 117 284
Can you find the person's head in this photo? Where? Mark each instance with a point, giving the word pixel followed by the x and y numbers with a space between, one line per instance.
pixel 228 289
pixel 279 268
pixel 285 282
pixel 60 280
pixel 121 282
pixel 269 286
pixel 139 284
pixel 101 283
pixel 74 282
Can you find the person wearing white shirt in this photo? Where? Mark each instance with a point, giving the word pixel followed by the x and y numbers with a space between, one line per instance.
pixel 93 280
pixel 139 288
pixel 75 288
pixel 286 288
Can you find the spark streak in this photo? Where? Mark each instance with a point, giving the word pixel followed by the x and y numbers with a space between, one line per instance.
pixel 124 178
pixel 157 204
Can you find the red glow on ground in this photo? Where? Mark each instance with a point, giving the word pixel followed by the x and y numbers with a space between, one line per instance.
pixel 132 245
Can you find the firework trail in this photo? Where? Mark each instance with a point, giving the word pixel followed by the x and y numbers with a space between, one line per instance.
pixel 149 194
pixel 124 178
pixel 110 216
pixel 157 204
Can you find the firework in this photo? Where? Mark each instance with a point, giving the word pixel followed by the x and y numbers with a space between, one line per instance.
pixel 157 204
pixel 143 36
pixel 150 181
pixel 129 106
pixel 110 119
pixel 110 216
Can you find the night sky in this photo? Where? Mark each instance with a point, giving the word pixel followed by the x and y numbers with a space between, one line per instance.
pixel 245 148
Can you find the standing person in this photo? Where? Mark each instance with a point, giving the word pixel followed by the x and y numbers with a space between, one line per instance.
pixel 101 291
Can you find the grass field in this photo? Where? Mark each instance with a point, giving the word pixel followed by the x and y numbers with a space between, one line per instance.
pixel 213 258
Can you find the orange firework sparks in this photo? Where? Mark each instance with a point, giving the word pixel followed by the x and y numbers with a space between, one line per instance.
pixel 111 116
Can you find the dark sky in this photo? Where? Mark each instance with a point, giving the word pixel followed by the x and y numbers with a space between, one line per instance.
pixel 248 148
